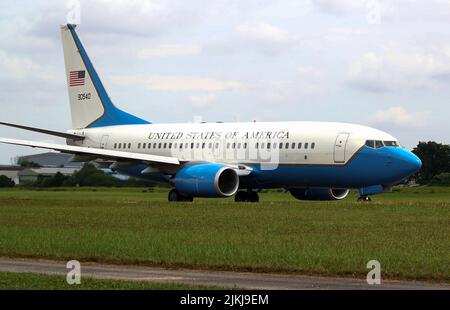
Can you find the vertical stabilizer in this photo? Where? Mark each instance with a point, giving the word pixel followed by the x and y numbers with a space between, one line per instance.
pixel 90 105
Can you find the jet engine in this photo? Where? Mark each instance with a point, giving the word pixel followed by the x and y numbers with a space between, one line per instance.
pixel 319 193
pixel 206 180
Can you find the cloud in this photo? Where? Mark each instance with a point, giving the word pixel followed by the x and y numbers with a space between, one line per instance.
pixel 22 71
pixel 203 101
pixel 169 51
pixel 399 10
pixel 124 17
pixel 262 32
pixel 178 83
pixel 340 7
pixel 400 117
pixel 394 70
pixel 263 38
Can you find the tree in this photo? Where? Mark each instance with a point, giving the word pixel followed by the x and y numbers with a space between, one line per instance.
pixel 27 164
pixel 435 160
pixel 442 179
pixel 89 175
pixel 54 181
pixel 6 182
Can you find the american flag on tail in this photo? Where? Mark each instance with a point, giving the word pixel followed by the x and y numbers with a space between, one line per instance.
pixel 76 78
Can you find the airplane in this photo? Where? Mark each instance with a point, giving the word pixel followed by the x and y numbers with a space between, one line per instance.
pixel 311 160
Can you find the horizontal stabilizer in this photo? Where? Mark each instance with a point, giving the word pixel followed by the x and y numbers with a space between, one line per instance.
pixel 46 131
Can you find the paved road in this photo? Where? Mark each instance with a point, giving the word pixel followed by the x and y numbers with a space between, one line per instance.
pixel 245 280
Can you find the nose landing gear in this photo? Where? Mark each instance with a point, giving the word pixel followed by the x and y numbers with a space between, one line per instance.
pixel 364 199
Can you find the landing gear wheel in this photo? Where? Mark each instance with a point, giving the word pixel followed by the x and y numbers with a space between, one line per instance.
pixel 364 199
pixel 175 196
pixel 249 196
pixel 253 196
pixel 240 196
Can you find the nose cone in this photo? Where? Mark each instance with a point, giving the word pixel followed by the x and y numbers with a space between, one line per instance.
pixel 409 162
pixel 416 163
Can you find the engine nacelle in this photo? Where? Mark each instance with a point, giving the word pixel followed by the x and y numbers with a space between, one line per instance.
pixel 206 180
pixel 318 193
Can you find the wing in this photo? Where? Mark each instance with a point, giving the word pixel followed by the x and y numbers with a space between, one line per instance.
pixel 100 153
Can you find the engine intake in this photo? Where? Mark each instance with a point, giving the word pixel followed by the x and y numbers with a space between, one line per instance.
pixel 206 180
pixel 319 193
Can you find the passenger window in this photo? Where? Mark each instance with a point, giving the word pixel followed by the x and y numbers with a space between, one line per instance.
pixel 239 145
pixel 165 145
pixel 313 145
pixel 175 145
pixel 129 145
pixel 245 145
pixel 181 145
pixel 268 145
pixel 378 144
pixel 192 145
pixel 293 145
pixel 217 145
pixel 139 145
pixel 287 146
pixel 120 145
pixel 144 145
pixel 210 145
pixel 262 145
pixel 234 145
pixel 228 145
pixel 198 145
pixel 115 145
pixel 256 145
pixel 306 145
pixel 274 145
pixel 299 145
pixel 159 145
pixel 154 145
pixel 170 145
pixel 281 146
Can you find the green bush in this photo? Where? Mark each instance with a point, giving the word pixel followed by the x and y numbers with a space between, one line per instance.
pixel 6 182
pixel 89 175
pixel 441 179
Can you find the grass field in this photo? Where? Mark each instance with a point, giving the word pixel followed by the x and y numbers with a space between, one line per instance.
pixel 31 281
pixel 407 231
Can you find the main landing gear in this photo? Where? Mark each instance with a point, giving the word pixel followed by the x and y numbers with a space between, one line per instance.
pixel 176 196
pixel 364 199
pixel 246 196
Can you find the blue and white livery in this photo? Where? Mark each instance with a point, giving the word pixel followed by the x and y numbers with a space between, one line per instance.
pixel 312 160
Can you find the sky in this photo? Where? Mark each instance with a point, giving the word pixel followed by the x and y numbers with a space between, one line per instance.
pixel 384 64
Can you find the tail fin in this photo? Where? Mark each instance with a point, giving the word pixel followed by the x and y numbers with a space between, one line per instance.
pixel 89 103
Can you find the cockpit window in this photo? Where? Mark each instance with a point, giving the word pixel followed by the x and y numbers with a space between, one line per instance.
pixel 391 143
pixel 375 144
pixel 370 143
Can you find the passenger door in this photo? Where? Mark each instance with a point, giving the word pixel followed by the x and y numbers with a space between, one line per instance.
pixel 339 147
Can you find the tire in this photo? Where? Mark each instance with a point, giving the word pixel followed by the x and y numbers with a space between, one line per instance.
pixel 240 196
pixel 253 196
pixel 173 195
pixel 246 196
pixel 364 199
pixel 176 196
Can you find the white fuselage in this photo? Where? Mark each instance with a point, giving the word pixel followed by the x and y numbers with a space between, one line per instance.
pixel 308 143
